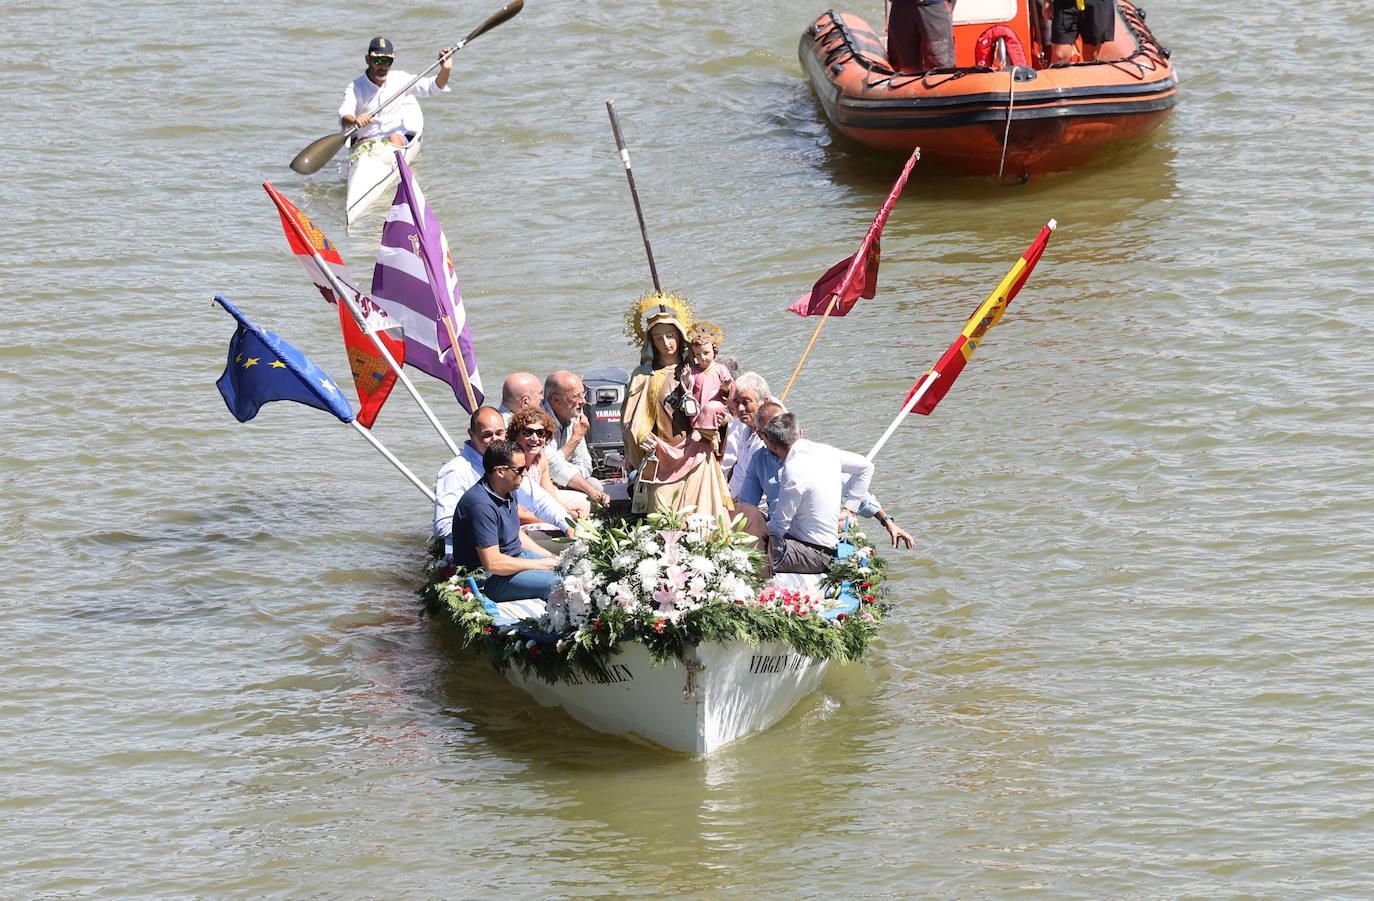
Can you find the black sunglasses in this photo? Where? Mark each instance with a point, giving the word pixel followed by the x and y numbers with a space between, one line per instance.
pixel 534 433
pixel 519 470
pixel 383 61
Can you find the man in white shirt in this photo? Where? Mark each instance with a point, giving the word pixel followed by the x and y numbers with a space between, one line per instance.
pixel 569 461
pixel 741 440
pixel 803 528
pixel 367 101
pixel 464 470
pixel 761 482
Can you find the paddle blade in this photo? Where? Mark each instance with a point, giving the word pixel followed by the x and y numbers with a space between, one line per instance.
pixel 309 160
pixel 504 14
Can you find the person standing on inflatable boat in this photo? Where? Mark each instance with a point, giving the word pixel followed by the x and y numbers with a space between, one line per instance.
pixel 370 90
pixel 1094 20
pixel 920 35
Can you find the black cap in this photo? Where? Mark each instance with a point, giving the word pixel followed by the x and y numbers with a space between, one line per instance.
pixel 381 47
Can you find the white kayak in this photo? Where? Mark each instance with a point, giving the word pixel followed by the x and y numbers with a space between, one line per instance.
pixel 372 172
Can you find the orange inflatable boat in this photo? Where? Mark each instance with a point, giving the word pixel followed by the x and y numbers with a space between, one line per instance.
pixel 989 115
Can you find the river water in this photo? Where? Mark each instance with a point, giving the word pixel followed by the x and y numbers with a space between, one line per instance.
pixel 1131 654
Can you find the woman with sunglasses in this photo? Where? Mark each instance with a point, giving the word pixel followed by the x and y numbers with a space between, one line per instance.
pixel 366 102
pixel 531 428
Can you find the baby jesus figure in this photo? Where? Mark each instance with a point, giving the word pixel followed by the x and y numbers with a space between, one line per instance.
pixel 707 386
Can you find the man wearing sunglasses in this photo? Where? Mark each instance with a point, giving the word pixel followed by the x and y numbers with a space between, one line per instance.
pixel 464 471
pixel 486 531
pixel 364 97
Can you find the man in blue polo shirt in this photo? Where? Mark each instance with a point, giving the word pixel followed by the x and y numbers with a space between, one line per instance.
pixel 463 471
pixel 486 531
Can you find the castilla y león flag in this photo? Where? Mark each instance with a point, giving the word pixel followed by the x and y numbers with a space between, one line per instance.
pixel 372 376
pixel 855 276
pixel 940 377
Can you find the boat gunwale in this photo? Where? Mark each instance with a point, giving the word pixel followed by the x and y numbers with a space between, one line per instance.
pixel 860 110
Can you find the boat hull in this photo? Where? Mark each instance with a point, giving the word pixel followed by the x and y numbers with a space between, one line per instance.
pixel 738 690
pixel 373 174
pixel 1019 122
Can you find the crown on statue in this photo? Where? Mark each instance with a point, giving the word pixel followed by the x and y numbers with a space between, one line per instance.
pixel 708 331
pixel 655 307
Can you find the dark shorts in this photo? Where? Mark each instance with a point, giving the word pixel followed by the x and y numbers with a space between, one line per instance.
pixel 920 36
pixel 1096 24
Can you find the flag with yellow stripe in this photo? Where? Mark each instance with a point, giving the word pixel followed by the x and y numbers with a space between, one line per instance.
pixel 988 314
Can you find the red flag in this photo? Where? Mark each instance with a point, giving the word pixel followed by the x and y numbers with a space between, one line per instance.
pixel 306 240
pixel 988 314
pixel 856 276
pixel 371 375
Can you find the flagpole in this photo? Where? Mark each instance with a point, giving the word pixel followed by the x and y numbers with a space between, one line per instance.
pixel 915 398
pixel 462 364
pixel 347 296
pixel 814 335
pixel 341 290
pixel 367 433
pixel 634 193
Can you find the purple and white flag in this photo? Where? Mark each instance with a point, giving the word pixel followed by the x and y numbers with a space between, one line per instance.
pixel 415 282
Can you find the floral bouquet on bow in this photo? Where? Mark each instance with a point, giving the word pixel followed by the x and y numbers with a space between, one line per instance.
pixel 643 578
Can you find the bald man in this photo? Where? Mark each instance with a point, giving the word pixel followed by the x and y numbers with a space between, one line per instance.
pixel 521 389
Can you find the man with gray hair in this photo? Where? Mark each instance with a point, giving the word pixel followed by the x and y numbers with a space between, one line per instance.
pixel 569 460
pixel 811 493
pixel 741 440
pixel 761 483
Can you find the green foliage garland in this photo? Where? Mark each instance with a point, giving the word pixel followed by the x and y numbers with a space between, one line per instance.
pixel 581 641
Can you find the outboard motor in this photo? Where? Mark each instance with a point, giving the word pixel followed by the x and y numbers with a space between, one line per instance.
pixel 606 389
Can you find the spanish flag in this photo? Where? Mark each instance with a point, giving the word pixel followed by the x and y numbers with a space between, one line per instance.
pixel 988 314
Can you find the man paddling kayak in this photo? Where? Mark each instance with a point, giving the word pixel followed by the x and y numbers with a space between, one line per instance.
pixel 377 85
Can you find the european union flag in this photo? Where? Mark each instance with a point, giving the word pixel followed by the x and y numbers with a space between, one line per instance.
pixel 263 367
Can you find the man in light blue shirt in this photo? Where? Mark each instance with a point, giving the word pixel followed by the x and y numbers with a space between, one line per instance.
pixel 464 471
pixel 761 482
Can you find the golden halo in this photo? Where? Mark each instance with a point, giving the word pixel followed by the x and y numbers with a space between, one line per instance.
pixel 644 309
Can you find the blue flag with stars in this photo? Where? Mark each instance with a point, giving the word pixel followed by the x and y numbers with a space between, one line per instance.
pixel 263 367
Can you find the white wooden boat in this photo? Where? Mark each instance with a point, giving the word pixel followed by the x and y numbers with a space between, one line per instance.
pixel 707 662
pixel 372 172
pixel 722 692
pixel 718 692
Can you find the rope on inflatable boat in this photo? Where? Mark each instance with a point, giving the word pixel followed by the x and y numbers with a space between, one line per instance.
pixel 838 44
pixel 845 49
